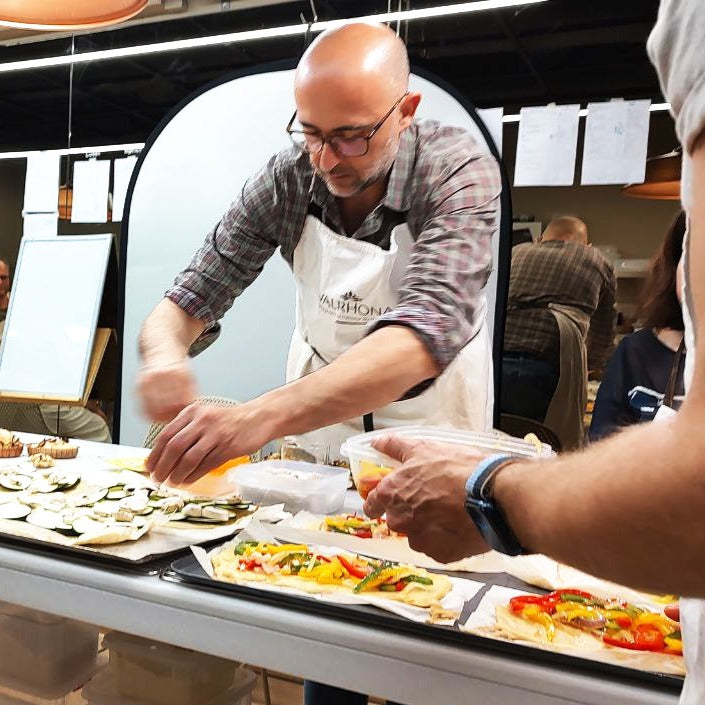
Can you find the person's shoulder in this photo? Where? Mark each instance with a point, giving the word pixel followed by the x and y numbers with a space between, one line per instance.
pixel 638 342
pixel 436 141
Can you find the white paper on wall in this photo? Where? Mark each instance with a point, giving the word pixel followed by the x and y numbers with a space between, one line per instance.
pixel 492 117
pixel 91 181
pixel 546 147
pixel 40 225
pixel 41 186
pixel 616 137
pixel 122 172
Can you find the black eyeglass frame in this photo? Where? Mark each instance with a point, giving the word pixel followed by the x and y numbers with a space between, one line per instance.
pixel 330 140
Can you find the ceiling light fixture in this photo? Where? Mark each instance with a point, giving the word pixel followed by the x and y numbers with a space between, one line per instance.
pixel 131 147
pixel 662 179
pixel 68 14
pixel 251 35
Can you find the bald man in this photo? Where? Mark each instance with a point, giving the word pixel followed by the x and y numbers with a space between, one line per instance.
pixel 560 323
pixel 387 224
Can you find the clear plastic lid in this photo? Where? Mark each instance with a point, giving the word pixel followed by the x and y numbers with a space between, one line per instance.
pixel 360 446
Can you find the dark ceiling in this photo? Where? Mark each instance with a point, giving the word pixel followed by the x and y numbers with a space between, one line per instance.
pixel 557 51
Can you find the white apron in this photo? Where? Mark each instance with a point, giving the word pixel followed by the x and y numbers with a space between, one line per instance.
pixel 343 284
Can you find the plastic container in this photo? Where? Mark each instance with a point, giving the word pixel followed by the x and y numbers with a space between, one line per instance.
pixel 154 673
pixel 369 466
pixel 42 655
pixel 102 690
pixel 317 488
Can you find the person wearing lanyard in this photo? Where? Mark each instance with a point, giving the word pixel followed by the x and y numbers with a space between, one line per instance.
pixel 387 224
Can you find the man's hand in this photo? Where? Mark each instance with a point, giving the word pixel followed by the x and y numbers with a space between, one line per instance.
pixel 165 390
pixel 203 437
pixel 425 497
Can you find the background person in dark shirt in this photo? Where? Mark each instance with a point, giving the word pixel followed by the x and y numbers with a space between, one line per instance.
pixel 556 284
pixel 647 365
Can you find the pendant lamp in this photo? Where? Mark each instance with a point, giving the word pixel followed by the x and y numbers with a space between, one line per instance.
pixel 67 14
pixel 662 180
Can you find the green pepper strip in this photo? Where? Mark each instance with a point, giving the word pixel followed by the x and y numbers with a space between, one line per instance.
pixel 372 576
pixel 568 597
pixel 240 548
pixel 418 579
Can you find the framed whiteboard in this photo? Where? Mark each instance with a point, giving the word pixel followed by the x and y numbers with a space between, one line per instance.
pixel 51 321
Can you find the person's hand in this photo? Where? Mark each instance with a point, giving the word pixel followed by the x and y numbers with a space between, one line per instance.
pixel 425 497
pixel 673 611
pixel 165 390
pixel 203 437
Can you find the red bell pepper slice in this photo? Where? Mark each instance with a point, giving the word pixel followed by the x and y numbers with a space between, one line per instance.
pixel 352 568
pixel 643 638
pixel 546 602
pixel 363 533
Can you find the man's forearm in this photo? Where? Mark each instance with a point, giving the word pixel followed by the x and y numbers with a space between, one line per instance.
pixel 378 370
pixel 167 334
pixel 631 509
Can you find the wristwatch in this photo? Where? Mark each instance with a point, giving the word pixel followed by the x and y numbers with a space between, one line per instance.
pixel 484 510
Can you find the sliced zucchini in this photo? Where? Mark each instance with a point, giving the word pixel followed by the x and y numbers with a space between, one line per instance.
pixel 15 481
pixel 44 518
pixel 89 498
pixel 44 487
pixel 14 510
pixel 88 525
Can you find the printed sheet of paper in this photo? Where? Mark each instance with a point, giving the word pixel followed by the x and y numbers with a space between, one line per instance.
pixel 547 144
pixel 616 137
pixel 492 117
pixel 91 182
pixel 41 186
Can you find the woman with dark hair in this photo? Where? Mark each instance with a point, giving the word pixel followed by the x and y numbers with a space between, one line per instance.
pixel 646 370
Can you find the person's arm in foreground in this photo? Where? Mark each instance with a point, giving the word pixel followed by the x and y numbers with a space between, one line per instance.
pixel 630 509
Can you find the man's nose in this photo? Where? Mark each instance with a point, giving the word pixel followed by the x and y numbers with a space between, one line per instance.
pixel 327 158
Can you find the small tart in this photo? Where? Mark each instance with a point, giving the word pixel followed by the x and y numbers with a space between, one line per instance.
pixel 10 445
pixel 55 447
pixel 42 460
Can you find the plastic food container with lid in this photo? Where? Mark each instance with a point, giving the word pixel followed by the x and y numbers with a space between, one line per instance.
pixel 369 466
pixel 42 655
pixel 318 488
pixel 154 673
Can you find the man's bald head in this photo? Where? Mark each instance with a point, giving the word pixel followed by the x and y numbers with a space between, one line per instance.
pixel 566 229
pixel 366 55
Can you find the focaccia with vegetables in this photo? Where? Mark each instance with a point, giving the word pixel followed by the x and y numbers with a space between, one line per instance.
pixel 580 620
pixel 304 568
pixel 360 526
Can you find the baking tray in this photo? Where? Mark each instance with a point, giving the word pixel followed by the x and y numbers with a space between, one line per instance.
pixel 188 571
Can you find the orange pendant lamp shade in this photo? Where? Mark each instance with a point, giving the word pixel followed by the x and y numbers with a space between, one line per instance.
pixel 67 14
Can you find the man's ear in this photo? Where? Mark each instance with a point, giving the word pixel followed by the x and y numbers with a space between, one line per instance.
pixel 408 108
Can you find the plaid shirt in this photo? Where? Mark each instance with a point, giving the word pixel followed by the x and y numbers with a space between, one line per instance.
pixel 564 273
pixel 443 184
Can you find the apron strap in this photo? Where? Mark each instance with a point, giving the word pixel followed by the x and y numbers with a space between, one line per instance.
pixel 673 377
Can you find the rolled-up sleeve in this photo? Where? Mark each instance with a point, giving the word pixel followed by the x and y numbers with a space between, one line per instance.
pixel 675 50
pixel 233 253
pixel 441 296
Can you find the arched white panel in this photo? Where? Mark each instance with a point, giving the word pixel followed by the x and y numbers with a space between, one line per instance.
pixel 190 174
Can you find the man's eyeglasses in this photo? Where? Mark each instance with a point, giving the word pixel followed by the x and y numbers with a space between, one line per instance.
pixel 343 146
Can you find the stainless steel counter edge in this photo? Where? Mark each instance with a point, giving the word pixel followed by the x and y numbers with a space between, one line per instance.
pixel 364 658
